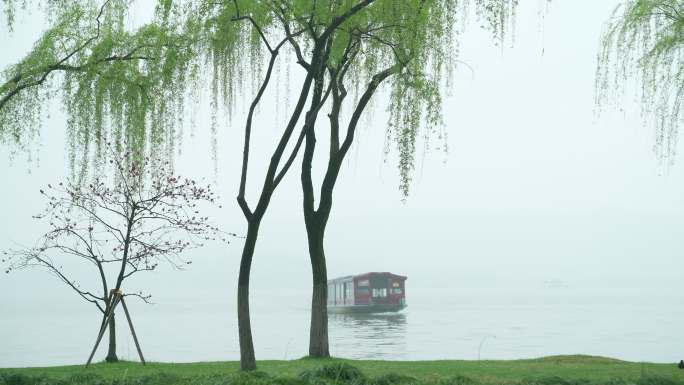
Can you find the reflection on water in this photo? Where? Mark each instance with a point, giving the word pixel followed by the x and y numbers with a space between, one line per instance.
pixel 384 335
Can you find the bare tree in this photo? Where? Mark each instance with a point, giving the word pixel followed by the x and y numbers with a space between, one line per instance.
pixel 121 225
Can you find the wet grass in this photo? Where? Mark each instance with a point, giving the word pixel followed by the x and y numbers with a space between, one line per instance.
pixel 557 370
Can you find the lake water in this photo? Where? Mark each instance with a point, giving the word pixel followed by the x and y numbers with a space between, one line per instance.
pixel 637 325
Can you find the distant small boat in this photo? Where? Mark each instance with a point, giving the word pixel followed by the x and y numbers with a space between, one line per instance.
pixel 374 292
pixel 554 284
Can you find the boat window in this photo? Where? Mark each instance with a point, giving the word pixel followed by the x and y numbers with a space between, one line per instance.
pixel 362 290
pixel 365 282
pixel 396 290
pixel 379 292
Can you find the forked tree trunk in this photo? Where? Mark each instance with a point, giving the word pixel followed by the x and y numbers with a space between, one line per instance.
pixel 247 358
pixel 316 220
pixel 315 230
pixel 111 352
pixel 318 332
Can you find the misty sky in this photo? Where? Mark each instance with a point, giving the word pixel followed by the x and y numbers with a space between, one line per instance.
pixel 534 187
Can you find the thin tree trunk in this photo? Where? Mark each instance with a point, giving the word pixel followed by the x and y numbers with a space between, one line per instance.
pixel 247 358
pixel 315 221
pixel 318 332
pixel 111 352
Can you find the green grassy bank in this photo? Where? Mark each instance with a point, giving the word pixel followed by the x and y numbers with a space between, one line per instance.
pixel 557 370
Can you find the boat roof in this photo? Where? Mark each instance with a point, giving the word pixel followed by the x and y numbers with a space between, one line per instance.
pixel 367 275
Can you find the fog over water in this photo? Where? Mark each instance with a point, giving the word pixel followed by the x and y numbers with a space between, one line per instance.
pixel 535 188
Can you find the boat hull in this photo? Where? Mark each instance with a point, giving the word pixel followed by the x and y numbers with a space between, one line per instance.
pixel 375 308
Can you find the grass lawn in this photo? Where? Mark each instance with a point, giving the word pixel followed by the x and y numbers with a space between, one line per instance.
pixel 562 370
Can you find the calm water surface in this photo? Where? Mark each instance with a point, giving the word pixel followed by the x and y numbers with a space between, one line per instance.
pixel 637 325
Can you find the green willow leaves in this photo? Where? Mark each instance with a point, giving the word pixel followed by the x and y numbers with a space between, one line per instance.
pixel 644 41
pixel 130 84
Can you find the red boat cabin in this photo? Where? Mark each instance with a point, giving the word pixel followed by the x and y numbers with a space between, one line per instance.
pixel 369 292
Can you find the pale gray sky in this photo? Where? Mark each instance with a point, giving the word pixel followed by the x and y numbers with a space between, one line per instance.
pixel 534 186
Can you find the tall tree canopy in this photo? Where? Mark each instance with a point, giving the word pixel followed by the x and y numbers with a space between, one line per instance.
pixel 121 83
pixel 644 42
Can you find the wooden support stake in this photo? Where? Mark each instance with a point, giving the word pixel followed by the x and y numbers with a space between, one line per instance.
pixel 115 301
pixel 103 325
pixel 130 324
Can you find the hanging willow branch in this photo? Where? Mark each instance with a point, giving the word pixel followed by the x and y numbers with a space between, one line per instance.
pixel 130 85
pixel 643 42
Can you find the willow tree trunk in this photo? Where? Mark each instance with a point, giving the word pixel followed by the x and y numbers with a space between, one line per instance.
pixel 111 352
pixel 318 332
pixel 247 358
pixel 316 220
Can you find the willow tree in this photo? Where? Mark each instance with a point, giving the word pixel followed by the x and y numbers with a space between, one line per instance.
pixel 643 43
pixel 409 46
pixel 130 85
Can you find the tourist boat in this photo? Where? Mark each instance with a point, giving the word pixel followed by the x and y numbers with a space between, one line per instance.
pixel 370 293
